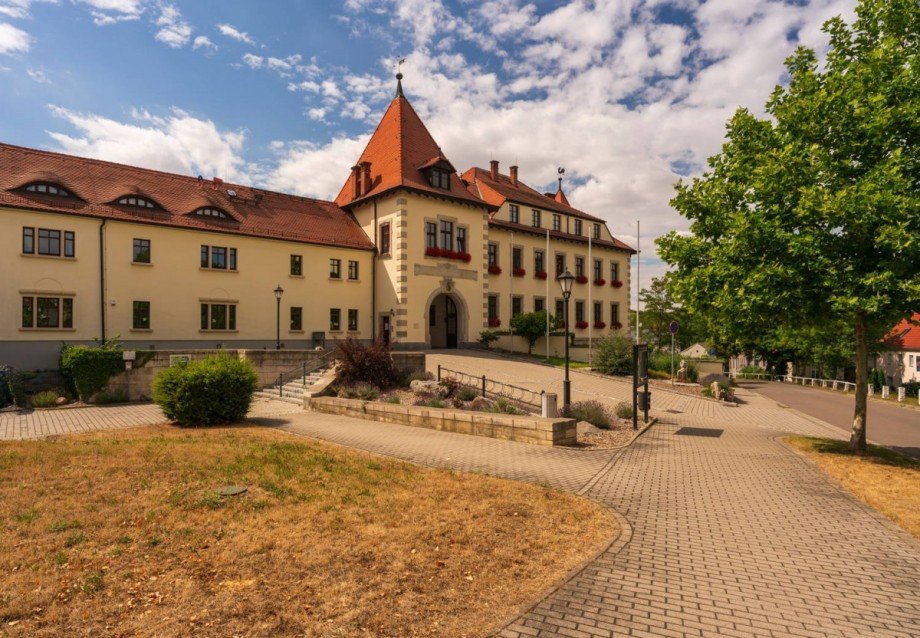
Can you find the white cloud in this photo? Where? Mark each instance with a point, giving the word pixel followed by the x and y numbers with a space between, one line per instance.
pixel 316 114
pixel 106 12
pixel 38 76
pixel 177 142
pixel 204 42
pixel 13 40
pixel 305 168
pixel 253 61
pixel 232 32
pixel 174 31
pixel 17 9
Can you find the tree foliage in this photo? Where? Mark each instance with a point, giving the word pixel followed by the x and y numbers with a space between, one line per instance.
pixel 531 326
pixel 206 392
pixel 811 217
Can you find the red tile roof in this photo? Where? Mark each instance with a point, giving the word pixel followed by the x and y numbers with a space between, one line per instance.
pixel 398 151
pixel 906 335
pixel 98 184
pixel 555 234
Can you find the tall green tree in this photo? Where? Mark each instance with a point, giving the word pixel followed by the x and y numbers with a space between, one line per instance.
pixel 812 217
pixel 531 326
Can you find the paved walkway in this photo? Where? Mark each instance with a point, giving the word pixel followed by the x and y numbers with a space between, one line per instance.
pixel 725 535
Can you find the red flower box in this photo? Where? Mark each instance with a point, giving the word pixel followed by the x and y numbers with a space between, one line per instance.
pixel 440 253
pixel 540 274
pixel 465 257
pixel 599 282
pixel 616 325
pixel 495 269
pixel 582 279
pixel 432 252
pixel 518 272
pixel 494 323
pixel 581 325
pixel 616 283
pixel 600 325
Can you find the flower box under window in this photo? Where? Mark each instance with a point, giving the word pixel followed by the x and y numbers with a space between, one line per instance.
pixel 494 322
pixel 442 253
pixel 616 283
pixel 581 325
pixel 495 269
pixel 599 282
pixel 600 325
pixel 616 325
pixel 540 274
pixel 518 272
pixel 582 279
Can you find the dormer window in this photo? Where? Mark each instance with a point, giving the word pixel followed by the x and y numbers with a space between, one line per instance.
pixel 44 188
pixel 208 211
pixel 439 178
pixel 138 202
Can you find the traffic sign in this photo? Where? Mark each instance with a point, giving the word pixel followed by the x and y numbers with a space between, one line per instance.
pixel 674 327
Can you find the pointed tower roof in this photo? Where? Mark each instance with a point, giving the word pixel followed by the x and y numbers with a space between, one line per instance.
pixel 560 196
pixel 399 152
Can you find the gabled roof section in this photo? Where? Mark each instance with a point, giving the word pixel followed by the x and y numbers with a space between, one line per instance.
pixel 398 152
pixel 98 184
pixel 905 335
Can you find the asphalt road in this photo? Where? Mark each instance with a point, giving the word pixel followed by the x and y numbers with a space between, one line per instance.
pixel 893 426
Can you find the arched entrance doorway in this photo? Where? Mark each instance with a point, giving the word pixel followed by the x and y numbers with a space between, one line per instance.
pixel 443 322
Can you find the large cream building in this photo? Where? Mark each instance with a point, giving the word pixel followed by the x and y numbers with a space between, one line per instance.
pixel 410 252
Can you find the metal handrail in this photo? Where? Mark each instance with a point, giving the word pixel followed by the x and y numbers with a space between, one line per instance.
pixel 834 384
pixel 303 370
pixel 488 386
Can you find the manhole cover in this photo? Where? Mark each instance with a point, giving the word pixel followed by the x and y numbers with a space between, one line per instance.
pixel 700 432
pixel 231 490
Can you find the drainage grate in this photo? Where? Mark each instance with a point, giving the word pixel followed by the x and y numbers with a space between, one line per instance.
pixel 700 432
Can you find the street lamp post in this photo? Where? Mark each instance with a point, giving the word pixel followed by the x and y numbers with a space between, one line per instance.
pixel 278 292
pixel 566 280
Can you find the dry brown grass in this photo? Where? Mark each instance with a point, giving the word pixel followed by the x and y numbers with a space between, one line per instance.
pixel 121 533
pixel 886 480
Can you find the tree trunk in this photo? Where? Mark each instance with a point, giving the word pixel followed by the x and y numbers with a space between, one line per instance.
pixel 858 436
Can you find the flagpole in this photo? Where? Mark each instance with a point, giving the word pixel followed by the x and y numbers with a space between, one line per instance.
pixel 638 277
pixel 590 303
pixel 547 306
pixel 511 313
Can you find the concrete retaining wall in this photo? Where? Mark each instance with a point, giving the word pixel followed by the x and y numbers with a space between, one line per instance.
pixel 524 429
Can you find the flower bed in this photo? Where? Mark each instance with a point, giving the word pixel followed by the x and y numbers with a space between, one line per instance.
pixel 616 283
pixel 442 253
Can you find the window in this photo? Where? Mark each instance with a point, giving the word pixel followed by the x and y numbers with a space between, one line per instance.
pixel 447 235
pixel 28 240
pixel 47 312
pixel 297 265
pixel 431 235
pixel 598 312
pixel 385 239
pixel 69 244
pixel 598 269
pixel 493 254
pixel 614 271
pixel 210 212
pixel 335 319
pixel 352 319
pixel 439 178
pixel 560 264
pixel 579 311
pixel 49 189
pixel 515 213
pixel 140 315
pixel 233 259
pixel 539 304
pixel 538 259
pixel 597 231
pixel 560 309
pixel 578 227
pixel 557 222
pixel 493 307
pixel 535 218
pixel 517 257
pixel 353 270
pixel 218 316
pixel 614 313
pixel 461 239
pixel 335 268
pixel 140 251
pixel 205 251
pixel 221 258
pixel 296 318
pixel 49 242
pixel 139 202
pixel 579 266
pixel 517 305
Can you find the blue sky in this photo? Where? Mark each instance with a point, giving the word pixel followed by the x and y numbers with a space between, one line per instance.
pixel 627 95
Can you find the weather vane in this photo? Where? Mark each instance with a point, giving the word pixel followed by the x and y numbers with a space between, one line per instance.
pixel 561 172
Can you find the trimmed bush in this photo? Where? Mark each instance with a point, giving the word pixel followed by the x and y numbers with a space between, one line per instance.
pixel 87 370
pixel 613 355
pixel 359 363
pixel 207 392
pixel 591 411
pixel 44 399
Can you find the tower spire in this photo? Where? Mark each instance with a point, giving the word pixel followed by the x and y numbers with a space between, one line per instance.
pixel 399 77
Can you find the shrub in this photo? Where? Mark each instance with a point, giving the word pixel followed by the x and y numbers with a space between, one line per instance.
pixel 107 397
pixel 393 399
pixel 433 403
pixel 658 374
pixel 709 378
pixel 591 411
pixel 504 406
pixel 359 363
pixel 206 392
pixel 44 399
pixel 6 397
pixel 86 370
pixel 467 394
pixel 531 326
pixel 613 355
pixel 624 410
pixel 693 372
pixel 449 387
pixel 363 391
pixel 404 378
pixel 487 337
pixel 15 387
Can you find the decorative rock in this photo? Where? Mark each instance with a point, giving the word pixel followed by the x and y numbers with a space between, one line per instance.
pixel 60 401
pixel 231 490
pixel 586 428
pixel 422 385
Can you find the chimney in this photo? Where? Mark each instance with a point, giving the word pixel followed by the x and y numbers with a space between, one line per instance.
pixel 218 181
pixel 513 172
pixel 493 169
pixel 367 176
pixel 356 173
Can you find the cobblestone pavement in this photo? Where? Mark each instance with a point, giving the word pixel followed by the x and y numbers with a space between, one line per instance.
pixel 37 424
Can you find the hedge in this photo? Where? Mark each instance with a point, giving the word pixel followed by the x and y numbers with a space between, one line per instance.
pixel 87 370
pixel 206 392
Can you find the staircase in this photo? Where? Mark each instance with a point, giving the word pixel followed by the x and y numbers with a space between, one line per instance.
pixel 291 386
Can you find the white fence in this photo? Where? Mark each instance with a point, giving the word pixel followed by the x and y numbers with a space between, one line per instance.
pixel 833 384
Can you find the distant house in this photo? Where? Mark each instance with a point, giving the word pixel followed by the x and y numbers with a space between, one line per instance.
pixel 696 351
pixel 901 359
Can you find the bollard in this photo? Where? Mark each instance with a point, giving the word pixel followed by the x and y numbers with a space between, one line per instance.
pixel 886 391
pixel 439 373
pixel 871 390
pixel 902 392
pixel 549 408
pixel 304 382
pixel 483 386
pixel 280 385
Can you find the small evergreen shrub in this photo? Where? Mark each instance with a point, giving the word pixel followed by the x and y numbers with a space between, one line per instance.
pixel 44 399
pixel 363 391
pixel 393 399
pixel 359 363
pixel 467 393
pixel 206 392
pixel 87 370
pixel 693 373
pixel 591 411
pixel 504 406
pixel 613 355
pixel 433 403
pixel 624 410
pixel 487 337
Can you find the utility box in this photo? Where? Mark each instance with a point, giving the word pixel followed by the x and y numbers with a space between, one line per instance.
pixel 644 401
pixel 549 407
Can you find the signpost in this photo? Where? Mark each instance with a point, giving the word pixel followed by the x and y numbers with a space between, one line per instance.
pixel 641 400
pixel 673 327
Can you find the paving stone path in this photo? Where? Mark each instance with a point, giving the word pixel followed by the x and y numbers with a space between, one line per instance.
pixel 725 535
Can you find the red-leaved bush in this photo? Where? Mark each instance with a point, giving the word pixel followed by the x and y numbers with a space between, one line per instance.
pixel 360 363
